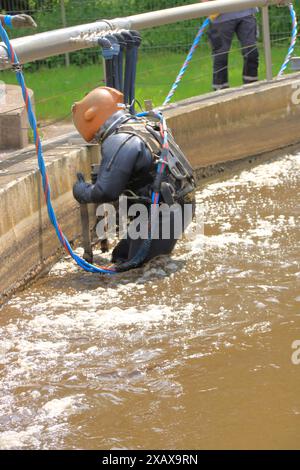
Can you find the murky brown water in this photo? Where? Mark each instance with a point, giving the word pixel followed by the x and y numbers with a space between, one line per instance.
pixel 193 352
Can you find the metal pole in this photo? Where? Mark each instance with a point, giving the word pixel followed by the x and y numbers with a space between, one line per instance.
pixel 267 42
pixel 64 23
pixel 51 43
pixel 104 71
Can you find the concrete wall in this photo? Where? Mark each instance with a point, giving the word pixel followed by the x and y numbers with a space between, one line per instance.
pixel 27 238
pixel 14 125
pixel 235 124
pixel 213 130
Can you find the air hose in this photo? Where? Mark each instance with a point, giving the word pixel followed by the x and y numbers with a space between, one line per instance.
pixel 111 52
pixel 115 60
pixel 137 40
pixel 113 48
pixel 129 59
pixel 122 44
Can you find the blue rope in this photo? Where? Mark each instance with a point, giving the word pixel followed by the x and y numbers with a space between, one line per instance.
pixel 188 59
pixel 293 40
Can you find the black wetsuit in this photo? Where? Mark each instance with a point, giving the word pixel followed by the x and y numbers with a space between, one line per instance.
pixel 127 164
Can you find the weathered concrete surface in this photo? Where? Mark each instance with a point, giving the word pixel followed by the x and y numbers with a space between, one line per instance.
pixel 14 124
pixel 234 124
pixel 27 238
pixel 215 131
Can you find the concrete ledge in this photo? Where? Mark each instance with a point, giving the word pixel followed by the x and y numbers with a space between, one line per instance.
pixel 234 124
pixel 14 125
pixel 215 131
pixel 27 238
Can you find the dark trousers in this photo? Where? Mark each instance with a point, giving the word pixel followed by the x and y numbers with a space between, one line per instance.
pixel 220 36
pixel 128 248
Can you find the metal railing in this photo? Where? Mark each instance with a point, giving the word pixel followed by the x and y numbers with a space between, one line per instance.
pixel 61 41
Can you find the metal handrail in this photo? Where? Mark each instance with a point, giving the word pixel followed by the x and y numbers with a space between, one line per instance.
pixel 51 43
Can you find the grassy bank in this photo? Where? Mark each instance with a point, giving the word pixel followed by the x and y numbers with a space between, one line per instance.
pixel 56 89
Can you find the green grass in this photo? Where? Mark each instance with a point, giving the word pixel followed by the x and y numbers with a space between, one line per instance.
pixel 56 89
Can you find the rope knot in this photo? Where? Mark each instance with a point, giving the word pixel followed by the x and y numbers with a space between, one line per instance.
pixel 17 67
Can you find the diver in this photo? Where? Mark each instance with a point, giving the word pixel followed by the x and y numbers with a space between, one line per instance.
pixel 131 149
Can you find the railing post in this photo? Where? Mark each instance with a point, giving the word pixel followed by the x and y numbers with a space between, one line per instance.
pixel 64 23
pixel 267 42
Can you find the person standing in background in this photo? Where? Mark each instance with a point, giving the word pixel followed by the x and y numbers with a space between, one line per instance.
pixel 221 33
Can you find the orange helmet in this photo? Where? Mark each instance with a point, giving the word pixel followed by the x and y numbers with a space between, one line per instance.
pixel 91 113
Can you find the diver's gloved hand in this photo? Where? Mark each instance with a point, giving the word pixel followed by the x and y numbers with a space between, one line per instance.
pixel 23 21
pixel 82 190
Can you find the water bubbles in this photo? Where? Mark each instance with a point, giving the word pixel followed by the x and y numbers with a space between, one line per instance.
pixel 74 346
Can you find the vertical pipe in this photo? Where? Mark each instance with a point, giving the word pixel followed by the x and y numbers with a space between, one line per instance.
pixel 104 71
pixel 267 42
pixel 64 23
